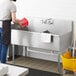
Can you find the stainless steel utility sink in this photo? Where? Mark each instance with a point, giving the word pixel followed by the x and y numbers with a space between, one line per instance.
pixel 59 38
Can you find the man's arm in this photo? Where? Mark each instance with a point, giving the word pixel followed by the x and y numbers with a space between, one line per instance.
pixel 14 19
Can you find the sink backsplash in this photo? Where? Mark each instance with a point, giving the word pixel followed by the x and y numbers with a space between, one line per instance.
pixel 57 26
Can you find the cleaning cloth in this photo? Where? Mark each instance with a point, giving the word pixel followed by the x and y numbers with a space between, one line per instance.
pixel 24 22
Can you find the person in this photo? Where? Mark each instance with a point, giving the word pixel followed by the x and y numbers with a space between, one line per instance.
pixel 7 14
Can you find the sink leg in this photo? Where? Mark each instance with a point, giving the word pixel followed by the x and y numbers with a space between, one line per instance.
pixel 59 66
pixel 25 50
pixel 13 54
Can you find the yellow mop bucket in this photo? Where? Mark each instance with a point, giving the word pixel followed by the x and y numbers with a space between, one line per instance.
pixel 68 62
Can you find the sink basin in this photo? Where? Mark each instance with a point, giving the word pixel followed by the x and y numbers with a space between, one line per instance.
pixel 17 27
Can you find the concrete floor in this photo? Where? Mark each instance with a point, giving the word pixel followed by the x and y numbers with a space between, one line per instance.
pixel 39 64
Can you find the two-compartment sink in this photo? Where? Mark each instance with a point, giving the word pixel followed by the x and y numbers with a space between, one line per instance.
pixel 43 45
pixel 34 38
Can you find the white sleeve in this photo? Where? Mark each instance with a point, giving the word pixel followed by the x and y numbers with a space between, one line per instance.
pixel 13 7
